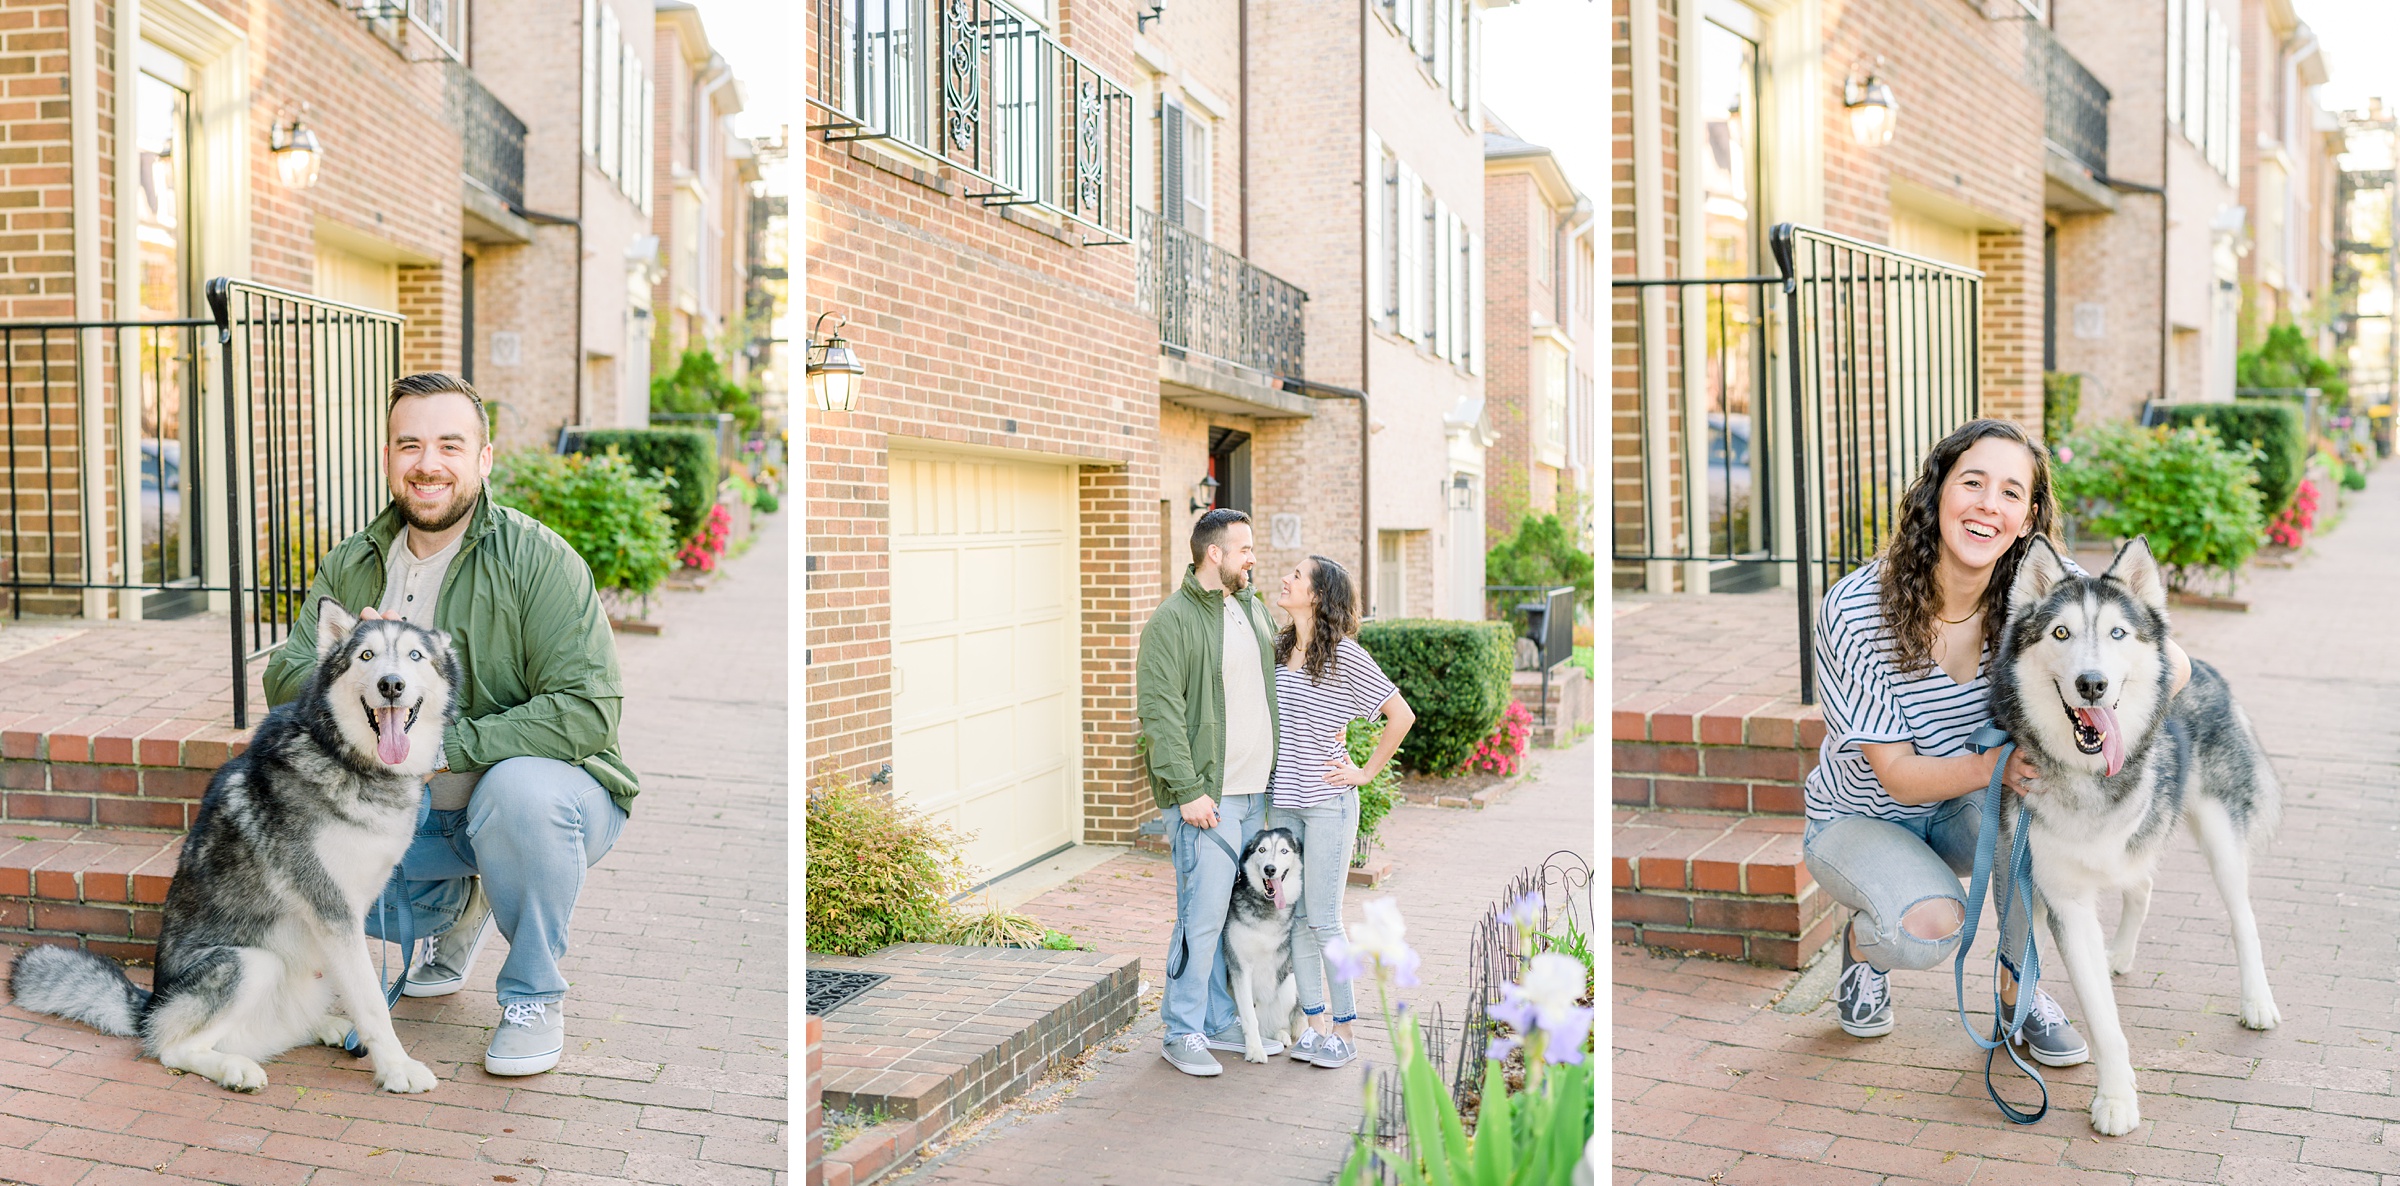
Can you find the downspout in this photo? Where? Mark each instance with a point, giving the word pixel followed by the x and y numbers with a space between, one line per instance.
pixel 2166 147
pixel 83 133
pixel 1243 36
pixel 1366 336
pixel 1316 390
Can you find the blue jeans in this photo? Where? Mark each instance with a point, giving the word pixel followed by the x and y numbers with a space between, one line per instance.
pixel 1327 833
pixel 1197 1000
pixel 532 828
pixel 1881 868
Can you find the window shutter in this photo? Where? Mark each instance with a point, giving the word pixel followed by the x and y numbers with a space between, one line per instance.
pixel 2174 63
pixel 1474 305
pixel 2233 109
pixel 611 91
pixel 1461 271
pixel 1439 289
pixel 649 171
pixel 1410 244
pixel 1373 192
pixel 591 78
pixel 1170 161
pixel 1438 46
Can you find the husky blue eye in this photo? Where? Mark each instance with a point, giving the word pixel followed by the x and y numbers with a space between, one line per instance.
pixel 416 656
pixel 2060 633
pixel 2118 632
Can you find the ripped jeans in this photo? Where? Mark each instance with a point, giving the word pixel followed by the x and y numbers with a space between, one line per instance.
pixel 1881 868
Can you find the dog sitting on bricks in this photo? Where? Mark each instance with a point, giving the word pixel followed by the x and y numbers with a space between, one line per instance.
pixel 1258 940
pixel 2081 682
pixel 263 931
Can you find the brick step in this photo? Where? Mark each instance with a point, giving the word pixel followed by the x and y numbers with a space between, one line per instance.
pixel 97 888
pixel 1713 753
pixel 1720 884
pixel 110 773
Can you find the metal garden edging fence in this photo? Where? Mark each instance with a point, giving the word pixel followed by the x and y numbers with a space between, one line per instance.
pixel 1881 358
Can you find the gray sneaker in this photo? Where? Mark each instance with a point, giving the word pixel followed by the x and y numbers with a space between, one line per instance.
pixel 2049 1037
pixel 1864 1003
pixel 445 968
pixel 1333 1052
pixel 529 1038
pixel 1229 1039
pixel 1190 1055
pixel 1305 1050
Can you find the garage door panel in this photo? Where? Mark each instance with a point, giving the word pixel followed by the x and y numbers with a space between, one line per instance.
pixel 991 736
pixel 1041 578
pixel 925 589
pixel 925 764
pixel 984 666
pixel 1041 659
pixel 928 683
pixel 1040 734
pixel 987 578
pixel 1045 501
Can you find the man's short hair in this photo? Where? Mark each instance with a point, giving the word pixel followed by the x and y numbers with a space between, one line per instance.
pixel 437 383
pixel 1211 529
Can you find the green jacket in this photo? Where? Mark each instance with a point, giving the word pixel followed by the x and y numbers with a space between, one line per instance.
pixel 1179 684
pixel 539 662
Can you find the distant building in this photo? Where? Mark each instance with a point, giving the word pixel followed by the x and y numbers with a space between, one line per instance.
pixel 1539 392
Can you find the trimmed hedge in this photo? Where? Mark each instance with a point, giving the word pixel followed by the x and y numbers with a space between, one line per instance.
pixel 687 456
pixel 2273 425
pixel 1455 676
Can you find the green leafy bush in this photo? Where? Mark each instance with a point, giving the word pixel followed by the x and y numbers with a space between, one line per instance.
pixel 1455 676
pixel 2196 499
pixel 2062 395
pixel 687 456
pixel 1540 552
pixel 611 513
pixel 2286 359
pixel 877 873
pixel 2272 427
pixel 1375 799
pixel 699 384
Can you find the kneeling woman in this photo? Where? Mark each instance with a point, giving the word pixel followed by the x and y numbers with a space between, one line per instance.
pixel 1902 648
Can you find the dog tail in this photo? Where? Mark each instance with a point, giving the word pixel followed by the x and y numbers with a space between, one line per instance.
pixel 79 986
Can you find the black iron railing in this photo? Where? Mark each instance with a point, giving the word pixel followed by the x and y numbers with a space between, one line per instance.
pixel 1880 358
pixel 991 94
pixel 492 135
pixel 304 388
pixel 1210 301
pixel 2074 105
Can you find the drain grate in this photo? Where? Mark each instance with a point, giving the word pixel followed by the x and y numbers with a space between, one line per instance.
pixel 828 990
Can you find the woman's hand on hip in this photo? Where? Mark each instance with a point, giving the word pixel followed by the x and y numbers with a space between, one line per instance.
pixel 1341 772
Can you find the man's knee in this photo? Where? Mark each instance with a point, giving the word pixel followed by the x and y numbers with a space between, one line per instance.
pixel 527 790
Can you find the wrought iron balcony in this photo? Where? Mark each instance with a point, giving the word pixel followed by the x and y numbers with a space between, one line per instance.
pixel 2075 105
pixel 493 136
pixel 1210 301
pixel 985 90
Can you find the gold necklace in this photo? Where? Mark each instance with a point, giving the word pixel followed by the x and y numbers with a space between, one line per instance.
pixel 1962 621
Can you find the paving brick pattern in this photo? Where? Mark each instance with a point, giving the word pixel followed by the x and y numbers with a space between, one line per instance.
pixel 678 1056
pixel 1135 1120
pixel 1711 1084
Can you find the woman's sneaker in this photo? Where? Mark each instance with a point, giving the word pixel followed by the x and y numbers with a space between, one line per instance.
pixel 2049 1037
pixel 1333 1052
pixel 1305 1050
pixel 1865 1001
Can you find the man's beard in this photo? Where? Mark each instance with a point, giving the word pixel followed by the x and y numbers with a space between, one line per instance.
pixel 461 504
pixel 1234 579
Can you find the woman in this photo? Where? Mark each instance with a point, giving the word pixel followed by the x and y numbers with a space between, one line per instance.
pixel 1323 681
pixel 1902 647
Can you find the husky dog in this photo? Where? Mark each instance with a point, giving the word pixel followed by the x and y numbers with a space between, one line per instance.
pixel 1258 939
pixel 264 924
pixel 2081 684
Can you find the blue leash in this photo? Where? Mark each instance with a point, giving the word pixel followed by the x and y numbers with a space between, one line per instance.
pixel 392 906
pixel 2020 865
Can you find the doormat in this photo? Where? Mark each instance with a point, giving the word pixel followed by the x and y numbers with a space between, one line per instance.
pixel 827 990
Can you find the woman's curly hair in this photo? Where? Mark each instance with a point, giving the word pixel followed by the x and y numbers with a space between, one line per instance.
pixel 1336 619
pixel 1912 556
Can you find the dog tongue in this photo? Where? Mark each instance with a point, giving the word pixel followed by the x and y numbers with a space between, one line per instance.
pixel 1275 891
pixel 2112 745
pixel 391 735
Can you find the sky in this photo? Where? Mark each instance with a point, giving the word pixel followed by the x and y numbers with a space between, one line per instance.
pixel 2359 37
pixel 762 41
pixel 1545 75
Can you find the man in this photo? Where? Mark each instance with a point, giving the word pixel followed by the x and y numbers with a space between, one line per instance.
pixel 531 790
pixel 1205 696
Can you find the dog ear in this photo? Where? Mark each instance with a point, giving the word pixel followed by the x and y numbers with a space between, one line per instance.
pixel 334 625
pixel 2037 573
pixel 2137 570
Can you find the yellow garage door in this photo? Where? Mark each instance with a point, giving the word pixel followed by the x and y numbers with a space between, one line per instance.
pixel 986 707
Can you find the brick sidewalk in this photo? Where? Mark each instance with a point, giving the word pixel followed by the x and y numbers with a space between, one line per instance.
pixel 677 1059
pixel 1712 1084
pixel 1128 1118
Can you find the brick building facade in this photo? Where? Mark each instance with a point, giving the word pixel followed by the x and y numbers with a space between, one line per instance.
pixel 1056 390
pixel 704 174
pixel 1538 393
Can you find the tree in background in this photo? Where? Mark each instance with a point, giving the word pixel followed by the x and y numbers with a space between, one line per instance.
pixel 699 384
pixel 2285 360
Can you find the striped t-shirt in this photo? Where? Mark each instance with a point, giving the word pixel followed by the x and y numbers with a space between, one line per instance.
pixel 1866 700
pixel 1313 717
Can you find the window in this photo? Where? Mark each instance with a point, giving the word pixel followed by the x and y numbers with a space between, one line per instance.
pixel 2174 63
pixel 1199 163
pixel 445 21
pixel 1390 218
pixel 609 52
pixel 1462 291
pixel 591 78
pixel 1554 401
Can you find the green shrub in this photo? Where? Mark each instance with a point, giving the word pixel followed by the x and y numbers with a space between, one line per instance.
pixel 1540 552
pixel 1376 798
pixel 877 874
pixel 612 514
pixel 688 456
pixel 2286 359
pixel 699 384
pixel 2196 499
pixel 2062 395
pixel 2272 426
pixel 1455 676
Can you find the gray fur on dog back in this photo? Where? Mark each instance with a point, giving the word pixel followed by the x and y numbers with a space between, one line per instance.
pixel 79 986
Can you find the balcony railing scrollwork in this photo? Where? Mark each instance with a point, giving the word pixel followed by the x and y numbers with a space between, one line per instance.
pixel 1210 301
pixel 491 135
pixel 988 92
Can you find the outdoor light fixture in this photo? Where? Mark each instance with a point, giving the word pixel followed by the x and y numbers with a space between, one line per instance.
pixel 1874 113
pixel 1141 20
pixel 1462 493
pixel 1204 493
pixel 834 378
pixel 296 152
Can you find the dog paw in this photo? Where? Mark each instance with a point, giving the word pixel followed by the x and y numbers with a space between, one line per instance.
pixel 331 1030
pixel 1254 1052
pixel 2120 961
pixel 2115 1111
pixel 240 1073
pixel 405 1076
pixel 2259 1011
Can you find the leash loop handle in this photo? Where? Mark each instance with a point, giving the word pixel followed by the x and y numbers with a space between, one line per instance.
pixel 2020 869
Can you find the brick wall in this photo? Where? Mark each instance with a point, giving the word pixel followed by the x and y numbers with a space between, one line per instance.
pixel 1509 202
